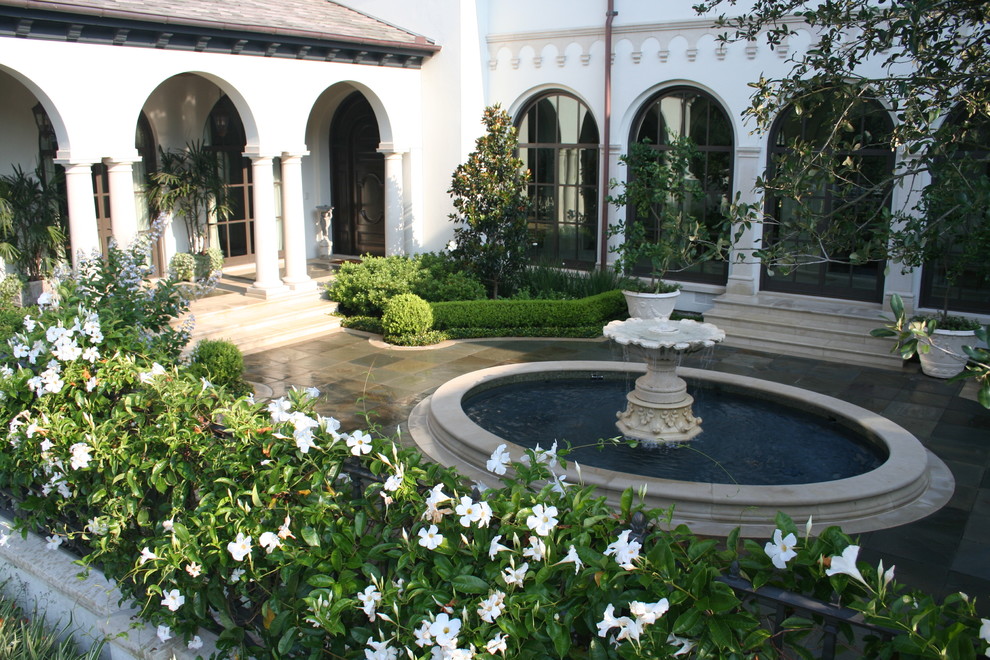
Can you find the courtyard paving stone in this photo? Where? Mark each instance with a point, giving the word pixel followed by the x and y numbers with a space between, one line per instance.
pixel 947 551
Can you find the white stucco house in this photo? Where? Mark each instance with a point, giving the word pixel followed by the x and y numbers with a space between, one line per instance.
pixel 365 107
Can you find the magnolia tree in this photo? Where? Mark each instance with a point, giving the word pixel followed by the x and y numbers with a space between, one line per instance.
pixel 489 194
pixel 218 511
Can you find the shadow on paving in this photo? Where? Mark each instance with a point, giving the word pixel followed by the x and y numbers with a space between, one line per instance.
pixel 946 552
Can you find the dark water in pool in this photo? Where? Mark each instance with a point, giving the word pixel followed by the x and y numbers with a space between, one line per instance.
pixel 745 440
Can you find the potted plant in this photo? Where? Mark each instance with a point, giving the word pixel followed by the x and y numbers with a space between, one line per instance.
pixel 32 228
pixel 661 230
pixel 948 230
pixel 190 184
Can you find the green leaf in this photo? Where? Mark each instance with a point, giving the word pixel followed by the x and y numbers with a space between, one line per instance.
pixel 310 536
pixel 320 581
pixel 469 584
pixel 287 641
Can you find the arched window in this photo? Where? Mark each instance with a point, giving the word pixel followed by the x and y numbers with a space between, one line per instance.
pixel 558 141
pixel 858 197
pixel 687 112
pixel 969 156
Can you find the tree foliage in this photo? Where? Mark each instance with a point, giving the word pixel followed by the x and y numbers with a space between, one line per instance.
pixel 489 192
pixel 924 60
pixel 33 228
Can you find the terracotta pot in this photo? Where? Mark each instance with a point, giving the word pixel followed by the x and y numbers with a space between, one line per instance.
pixel 650 305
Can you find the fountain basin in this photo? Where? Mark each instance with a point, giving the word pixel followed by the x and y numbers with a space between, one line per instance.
pixel 911 484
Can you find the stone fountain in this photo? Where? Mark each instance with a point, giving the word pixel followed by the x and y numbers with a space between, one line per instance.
pixel 659 408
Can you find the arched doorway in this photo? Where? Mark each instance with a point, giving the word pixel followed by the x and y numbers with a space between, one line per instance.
pixel 357 174
pixel 224 133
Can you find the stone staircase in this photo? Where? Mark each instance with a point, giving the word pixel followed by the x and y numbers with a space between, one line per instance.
pixel 256 325
pixel 836 330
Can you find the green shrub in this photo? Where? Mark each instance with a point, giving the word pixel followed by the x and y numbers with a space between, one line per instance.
pixel 218 361
pixel 550 281
pixel 209 262
pixel 371 324
pixel 10 290
pixel 529 313
pixel 182 266
pixel 11 320
pixel 364 288
pixel 406 314
pixel 449 287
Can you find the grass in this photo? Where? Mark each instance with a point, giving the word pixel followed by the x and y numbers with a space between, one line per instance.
pixel 32 638
pixel 550 281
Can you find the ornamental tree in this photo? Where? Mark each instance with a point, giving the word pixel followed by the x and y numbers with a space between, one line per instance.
pixel 489 194
pixel 924 59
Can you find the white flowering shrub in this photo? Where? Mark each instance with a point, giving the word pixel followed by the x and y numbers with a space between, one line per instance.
pixel 213 510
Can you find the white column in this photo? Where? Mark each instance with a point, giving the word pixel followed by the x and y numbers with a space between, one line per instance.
pixel 123 212
pixel 294 223
pixel 744 274
pixel 83 235
pixel 613 215
pixel 398 236
pixel 906 195
pixel 267 283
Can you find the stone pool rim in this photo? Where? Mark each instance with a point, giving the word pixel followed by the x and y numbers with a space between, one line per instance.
pixel 911 484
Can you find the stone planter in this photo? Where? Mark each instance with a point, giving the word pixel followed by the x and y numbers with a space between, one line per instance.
pixel 87 607
pixel 650 305
pixel 32 291
pixel 945 357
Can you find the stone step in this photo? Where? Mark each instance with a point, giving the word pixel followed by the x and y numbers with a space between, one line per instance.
pixel 256 325
pixel 837 331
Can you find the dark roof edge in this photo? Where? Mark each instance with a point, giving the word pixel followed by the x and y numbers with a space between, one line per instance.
pixel 421 44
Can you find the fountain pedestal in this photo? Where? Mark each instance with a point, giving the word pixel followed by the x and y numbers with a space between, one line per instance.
pixel 659 408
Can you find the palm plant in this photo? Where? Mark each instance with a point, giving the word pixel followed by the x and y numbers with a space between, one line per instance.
pixel 190 183
pixel 33 232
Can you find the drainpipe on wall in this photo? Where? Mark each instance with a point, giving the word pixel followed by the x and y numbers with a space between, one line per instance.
pixel 606 137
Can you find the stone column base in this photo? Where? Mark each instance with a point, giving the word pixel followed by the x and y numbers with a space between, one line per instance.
pixel 657 423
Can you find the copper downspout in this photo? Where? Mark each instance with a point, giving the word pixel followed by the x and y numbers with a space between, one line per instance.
pixel 606 137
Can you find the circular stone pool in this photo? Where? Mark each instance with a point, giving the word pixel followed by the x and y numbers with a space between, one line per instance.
pixel 910 484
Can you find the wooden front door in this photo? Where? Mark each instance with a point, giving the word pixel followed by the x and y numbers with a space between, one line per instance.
pixel 358 179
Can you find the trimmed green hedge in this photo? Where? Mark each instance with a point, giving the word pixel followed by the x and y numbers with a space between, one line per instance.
pixel 529 313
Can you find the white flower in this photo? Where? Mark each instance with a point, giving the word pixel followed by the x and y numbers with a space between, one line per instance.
pixel 168 525
pixel 608 621
pixel 80 455
pixel 146 555
pixel 359 442
pixel 394 480
pixel 647 613
pixel 173 599
pixel 537 549
pixel 269 541
pixel 147 377
pixel 515 576
pixel 491 608
pixel 781 549
pixel 98 527
pixel 484 514
pixel 888 577
pixel 496 547
pixel 4 539
pixel 430 538
pixel 499 460
pixel 280 410
pixel 236 575
pixel 283 531
pixel 164 633
pixel 370 598
pixel 91 384
pixel 240 547
pixel 468 511
pixel 985 630
pixel 312 392
pixel 572 557
pixel 195 643
pixel 624 550
pixel 543 520
pixel 846 564
pixel 305 441
pixel 445 630
pixel 422 635
pixel 434 499
pixel 204 384
pixel 380 651
pixel 629 628
pixel 53 542
pixel 685 644
pixel 496 645
pixel 194 569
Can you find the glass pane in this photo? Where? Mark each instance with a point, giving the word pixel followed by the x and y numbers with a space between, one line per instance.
pixel 570 124
pixel 547 122
pixel 589 129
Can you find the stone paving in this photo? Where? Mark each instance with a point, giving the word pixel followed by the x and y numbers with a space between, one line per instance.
pixel 364 380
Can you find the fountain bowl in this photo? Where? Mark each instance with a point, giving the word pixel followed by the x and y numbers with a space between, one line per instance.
pixel 911 484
